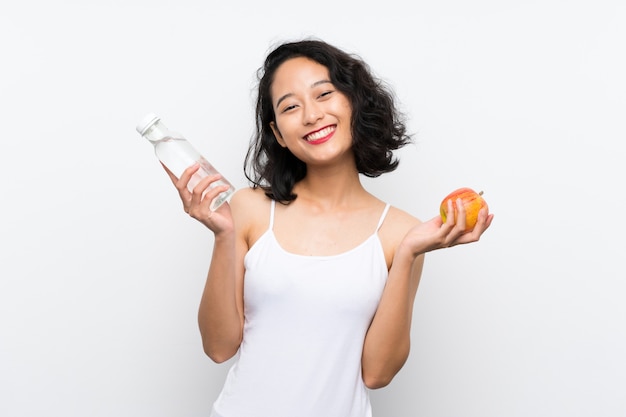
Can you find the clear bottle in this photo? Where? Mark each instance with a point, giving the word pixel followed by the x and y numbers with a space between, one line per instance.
pixel 177 154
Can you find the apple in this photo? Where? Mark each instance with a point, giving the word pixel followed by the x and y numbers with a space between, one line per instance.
pixel 472 201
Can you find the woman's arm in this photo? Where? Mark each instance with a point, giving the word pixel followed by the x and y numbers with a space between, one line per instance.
pixel 220 314
pixel 387 343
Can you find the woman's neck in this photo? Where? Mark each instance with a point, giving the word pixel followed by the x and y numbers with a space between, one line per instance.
pixel 332 187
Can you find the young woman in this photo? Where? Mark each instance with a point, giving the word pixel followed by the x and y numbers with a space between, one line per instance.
pixel 312 278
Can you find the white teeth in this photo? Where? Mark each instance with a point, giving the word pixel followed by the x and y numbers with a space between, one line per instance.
pixel 320 134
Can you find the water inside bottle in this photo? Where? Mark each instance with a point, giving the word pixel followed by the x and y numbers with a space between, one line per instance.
pixel 178 154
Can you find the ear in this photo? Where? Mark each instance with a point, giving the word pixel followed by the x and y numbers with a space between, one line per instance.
pixel 277 135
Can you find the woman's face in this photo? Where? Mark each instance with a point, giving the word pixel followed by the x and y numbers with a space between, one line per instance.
pixel 312 117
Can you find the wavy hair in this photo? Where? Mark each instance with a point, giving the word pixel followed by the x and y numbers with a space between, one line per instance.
pixel 378 128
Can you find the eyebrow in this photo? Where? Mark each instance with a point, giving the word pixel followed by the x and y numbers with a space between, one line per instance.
pixel 315 84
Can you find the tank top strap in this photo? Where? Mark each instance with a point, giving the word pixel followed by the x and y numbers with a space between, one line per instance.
pixel 272 206
pixel 382 216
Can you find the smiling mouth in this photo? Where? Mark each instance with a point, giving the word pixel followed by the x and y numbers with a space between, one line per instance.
pixel 320 134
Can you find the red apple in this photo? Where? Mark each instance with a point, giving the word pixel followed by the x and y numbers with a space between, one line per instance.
pixel 472 201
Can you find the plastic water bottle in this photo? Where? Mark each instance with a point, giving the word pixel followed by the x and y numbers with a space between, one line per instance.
pixel 177 154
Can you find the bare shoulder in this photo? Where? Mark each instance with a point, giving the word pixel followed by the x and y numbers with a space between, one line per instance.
pixel 400 221
pixel 250 208
pixel 248 195
pixel 397 224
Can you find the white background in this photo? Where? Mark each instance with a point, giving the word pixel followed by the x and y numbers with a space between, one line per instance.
pixel 101 271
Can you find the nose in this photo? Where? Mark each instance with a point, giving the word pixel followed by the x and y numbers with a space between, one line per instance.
pixel 312 113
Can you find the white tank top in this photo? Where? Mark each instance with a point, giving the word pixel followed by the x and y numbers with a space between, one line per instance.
pixel 305 323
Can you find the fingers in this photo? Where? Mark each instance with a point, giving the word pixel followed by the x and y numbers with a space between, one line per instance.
pixel 197 201
pixel 460 217
pixel 435 234
pixel 454 227
pixel 198 204
pixel 183 182
pixel 170 174
pixel 482 224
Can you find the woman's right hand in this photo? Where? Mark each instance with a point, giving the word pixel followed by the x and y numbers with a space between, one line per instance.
pixel 197 203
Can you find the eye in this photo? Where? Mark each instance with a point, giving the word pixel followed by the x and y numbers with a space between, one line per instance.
pixel 288 108
pixel 326 94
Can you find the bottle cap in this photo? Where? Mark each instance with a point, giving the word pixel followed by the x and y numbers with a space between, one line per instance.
pixel 147 121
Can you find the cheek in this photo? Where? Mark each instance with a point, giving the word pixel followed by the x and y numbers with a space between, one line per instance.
pixel 285 126
pixel 346 108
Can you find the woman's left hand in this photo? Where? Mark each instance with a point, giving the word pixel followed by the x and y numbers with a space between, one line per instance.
pixel 435 234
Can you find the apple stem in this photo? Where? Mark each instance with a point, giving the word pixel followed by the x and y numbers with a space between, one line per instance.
pixel 480 193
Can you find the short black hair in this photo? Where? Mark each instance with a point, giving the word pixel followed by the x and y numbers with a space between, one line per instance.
pixel 378 128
